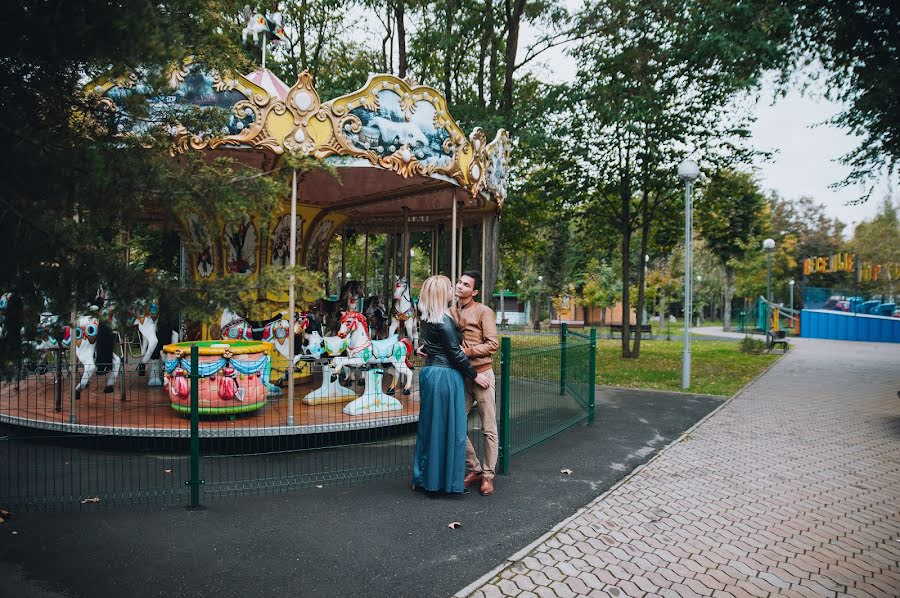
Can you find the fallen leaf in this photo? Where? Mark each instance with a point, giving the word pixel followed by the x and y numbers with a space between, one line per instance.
pixel 565 471
pixel 87 500
pixel 455 525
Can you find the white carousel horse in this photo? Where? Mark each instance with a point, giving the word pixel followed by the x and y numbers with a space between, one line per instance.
pixel 86 330
pixel 259 23
pixel 361 351
pixel 331 390
pixel 403 312
pixel 145 315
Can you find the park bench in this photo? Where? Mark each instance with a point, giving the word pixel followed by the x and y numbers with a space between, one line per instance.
pixel 645 329
pixel 569 323
pixel 775 338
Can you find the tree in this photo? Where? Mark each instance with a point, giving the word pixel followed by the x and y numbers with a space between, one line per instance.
pixel 602 287
pixel 878 242
pixel 855 42
pixel 728 215
pixel 72 215
pixel 654 79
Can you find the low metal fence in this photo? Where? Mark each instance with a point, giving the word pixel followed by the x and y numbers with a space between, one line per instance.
pixel 123 441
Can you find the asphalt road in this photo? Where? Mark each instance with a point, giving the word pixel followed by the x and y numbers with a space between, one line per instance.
pixel 375 538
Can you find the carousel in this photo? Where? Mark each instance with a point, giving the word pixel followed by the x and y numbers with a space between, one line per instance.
pixel 396 164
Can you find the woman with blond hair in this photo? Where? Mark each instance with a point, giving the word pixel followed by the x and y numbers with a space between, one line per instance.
pixel 440 458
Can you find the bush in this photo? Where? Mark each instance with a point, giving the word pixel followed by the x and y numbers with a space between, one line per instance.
pixel 752 345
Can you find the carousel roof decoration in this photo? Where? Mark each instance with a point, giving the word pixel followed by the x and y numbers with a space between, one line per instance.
pixel 389 123
pixel 270 82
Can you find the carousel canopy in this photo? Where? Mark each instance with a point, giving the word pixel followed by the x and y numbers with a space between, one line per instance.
pixel 393 143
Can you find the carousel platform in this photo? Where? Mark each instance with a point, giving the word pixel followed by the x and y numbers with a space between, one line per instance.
pixel 148 412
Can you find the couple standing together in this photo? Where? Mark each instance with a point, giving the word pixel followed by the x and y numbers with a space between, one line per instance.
pixel 457 344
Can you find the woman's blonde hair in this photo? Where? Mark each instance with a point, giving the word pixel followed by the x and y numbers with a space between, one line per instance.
pixel 434 298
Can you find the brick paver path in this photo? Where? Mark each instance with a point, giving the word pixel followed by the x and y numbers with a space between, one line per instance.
pixel 791 489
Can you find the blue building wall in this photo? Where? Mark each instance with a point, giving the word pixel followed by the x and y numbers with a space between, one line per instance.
pixel 836 325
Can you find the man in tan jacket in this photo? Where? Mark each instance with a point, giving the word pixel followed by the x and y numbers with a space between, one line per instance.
pixel 479 330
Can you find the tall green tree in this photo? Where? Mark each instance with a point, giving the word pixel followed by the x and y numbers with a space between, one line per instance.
pixel 728 214
pixel 877 241
pixel 656 78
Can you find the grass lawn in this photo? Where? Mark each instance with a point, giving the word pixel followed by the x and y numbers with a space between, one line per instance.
pixel 717 367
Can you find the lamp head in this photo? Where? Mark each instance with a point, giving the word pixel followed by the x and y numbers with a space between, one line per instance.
pixel 769 244
pixel 540 279
pixel 688 171
pixel 791 282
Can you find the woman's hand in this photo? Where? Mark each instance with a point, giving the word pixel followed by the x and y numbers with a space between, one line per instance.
pixel 482 380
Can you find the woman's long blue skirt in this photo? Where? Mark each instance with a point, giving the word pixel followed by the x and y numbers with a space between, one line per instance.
pixel 440 458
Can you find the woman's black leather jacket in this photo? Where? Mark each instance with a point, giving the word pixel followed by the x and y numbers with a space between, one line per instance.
pixel 441 343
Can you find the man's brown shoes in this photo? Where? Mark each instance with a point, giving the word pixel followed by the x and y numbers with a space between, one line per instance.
pixel 472 478
pixel 487 487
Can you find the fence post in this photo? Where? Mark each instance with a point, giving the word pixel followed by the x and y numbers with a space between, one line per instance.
pixel 563 334
pixel 505 353
pixel 195 480
pixel 592 375
pixel 58 382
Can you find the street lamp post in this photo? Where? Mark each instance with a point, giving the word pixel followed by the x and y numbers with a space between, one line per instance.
pixel 688 172
pixel 769 245
pixel 793 318
pixel 540 301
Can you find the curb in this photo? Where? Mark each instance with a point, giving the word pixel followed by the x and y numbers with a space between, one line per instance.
pixel 489 576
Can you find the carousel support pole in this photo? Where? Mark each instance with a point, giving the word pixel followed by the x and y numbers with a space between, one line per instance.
pixel 386 271
pixel 435 251
pixel 459 261
pixel 73 367
pixel 343 260
pixel 453 246
pixel 366 266
pixel 486 301
pixel 182 272
pixel 406 265
pixel 291 306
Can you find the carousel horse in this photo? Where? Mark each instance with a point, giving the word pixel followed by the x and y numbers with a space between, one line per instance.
pixel 362 350
pixel 403 312
pixel 352 297
pixel 89 352
pixel 5 300
pixel 377 315
pixel 275 331
pixel 316 346
pixel 259 23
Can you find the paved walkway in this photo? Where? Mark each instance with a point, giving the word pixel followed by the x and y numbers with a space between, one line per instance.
pixel 790 489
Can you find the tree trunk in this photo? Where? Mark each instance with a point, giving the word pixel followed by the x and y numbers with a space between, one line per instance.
pixel 727 296
pixel 486 43
pixel 513 19
pixel 491 257
pixel 626 277
pixel 642 269
pixel 401 38
pixel 448 50
pixel 301 25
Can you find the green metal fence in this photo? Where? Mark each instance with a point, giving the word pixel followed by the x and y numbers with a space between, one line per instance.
pixel 130 447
